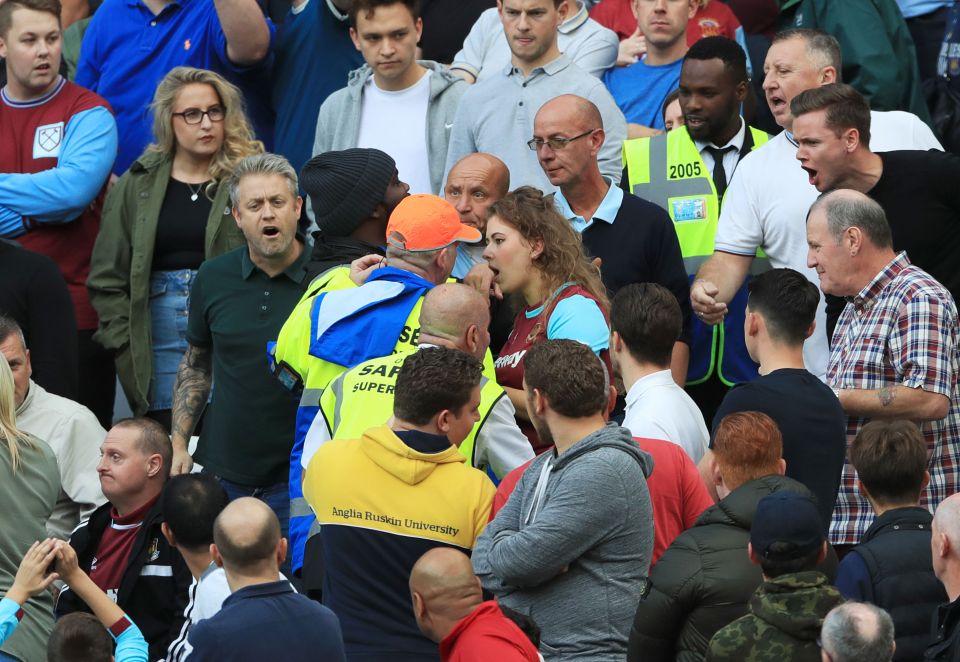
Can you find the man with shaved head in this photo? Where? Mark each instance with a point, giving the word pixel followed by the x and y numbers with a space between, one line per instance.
pixel 264 615
pixel 895 348
pixel 453 316
pixel 449 608
pixel 633 238
pixel 473 184
pixel 945 546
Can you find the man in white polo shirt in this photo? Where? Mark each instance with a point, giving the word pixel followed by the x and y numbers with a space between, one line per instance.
pixel 767 201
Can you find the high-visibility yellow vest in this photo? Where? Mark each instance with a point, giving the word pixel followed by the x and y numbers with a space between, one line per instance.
pixel 669 171
pixel 362 398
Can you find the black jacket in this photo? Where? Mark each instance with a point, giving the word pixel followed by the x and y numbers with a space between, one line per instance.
pixel 946 645
pixel 896 551
pixel 329 252
pixel 705 579
pixel 153 591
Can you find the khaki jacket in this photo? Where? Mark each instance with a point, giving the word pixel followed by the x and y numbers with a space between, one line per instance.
pixel 120 266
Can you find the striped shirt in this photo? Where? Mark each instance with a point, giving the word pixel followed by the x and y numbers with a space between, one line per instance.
pixel 900 330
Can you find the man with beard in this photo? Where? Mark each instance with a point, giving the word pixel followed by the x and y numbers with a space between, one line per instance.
pixel 687 172
pixel 577 564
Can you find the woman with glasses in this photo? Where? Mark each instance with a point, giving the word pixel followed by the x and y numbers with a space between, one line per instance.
pixel 167 214
pixel 535 253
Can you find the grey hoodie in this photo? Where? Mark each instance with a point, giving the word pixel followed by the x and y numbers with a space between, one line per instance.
pixel 338 125
pixel 571 548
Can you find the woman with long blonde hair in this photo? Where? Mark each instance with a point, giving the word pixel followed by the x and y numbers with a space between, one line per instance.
pixel 534 252
pixel 166 215
pixel 29 487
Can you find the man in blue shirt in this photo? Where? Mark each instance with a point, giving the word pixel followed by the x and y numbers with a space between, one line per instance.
pixel 130 45
pixel 264 617
pixel 641 88
pixel 314 55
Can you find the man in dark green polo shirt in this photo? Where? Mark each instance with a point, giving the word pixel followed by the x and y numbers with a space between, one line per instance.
pixel 238 303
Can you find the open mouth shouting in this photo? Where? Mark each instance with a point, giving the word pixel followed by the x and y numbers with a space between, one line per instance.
pixel 271 231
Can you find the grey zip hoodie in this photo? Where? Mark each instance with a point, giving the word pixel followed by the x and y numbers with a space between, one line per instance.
pixel 571 548
pixel 338 125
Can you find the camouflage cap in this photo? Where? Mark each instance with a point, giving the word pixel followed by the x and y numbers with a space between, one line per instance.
pixel 788 518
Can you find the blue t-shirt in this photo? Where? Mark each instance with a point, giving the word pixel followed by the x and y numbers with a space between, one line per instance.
pixel 314 56
pixel 640 90
pixel 127 50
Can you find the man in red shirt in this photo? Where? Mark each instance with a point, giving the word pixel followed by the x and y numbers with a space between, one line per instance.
pixel 449 608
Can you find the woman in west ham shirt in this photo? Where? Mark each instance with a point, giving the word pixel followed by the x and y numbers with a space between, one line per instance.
pixel 535 253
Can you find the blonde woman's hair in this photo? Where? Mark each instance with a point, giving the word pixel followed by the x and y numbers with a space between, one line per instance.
pixel 238 138
pixel 535 217
pixel 10 436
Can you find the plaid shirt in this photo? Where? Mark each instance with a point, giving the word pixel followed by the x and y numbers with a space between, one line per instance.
pixel 901 329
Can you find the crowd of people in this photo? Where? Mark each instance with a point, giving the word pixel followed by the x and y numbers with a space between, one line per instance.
pixel 480 330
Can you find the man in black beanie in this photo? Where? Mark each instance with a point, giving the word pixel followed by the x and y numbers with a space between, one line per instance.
pixel 352 193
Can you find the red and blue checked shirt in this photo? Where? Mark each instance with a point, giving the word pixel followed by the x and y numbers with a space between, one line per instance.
pixel 900 330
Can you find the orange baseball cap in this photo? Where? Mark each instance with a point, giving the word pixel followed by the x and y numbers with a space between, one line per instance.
pixel 425 222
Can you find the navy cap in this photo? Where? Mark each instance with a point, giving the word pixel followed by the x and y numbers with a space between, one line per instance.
pixel 789 518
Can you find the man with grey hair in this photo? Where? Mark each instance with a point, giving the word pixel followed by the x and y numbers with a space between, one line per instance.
pixel 894 349
pixel 857 632
pixel 770 193
pixel 238 303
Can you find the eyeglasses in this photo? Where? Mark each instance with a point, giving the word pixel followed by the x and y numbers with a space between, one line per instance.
pixel 555 143
pixel 195 115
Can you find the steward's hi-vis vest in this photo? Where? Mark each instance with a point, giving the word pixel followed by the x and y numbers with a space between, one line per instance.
pixel 299 370
pixel 669 171
pixel 362 398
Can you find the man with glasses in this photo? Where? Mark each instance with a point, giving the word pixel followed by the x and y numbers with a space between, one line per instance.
pixel 496 114
pixel 634 239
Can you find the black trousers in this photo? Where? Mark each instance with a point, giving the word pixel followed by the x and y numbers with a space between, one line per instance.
pixel 98 378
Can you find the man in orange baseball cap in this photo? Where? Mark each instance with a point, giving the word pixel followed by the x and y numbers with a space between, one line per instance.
pixel 346 327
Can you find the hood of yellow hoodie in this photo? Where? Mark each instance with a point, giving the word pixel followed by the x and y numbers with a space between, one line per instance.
pixel 390 453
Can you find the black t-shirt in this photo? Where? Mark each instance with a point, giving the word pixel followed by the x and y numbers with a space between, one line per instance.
pixel 920 192
pixel 446 24
pixel 812 423
pixel 181 227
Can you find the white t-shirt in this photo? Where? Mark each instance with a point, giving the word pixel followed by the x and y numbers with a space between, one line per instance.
pixel 396 123
pixel 768 199
pixel 659 409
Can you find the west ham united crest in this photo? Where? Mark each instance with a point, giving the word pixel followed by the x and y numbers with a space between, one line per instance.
pixel 47 141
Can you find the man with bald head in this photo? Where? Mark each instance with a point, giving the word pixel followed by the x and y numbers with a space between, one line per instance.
pixel 449 608
pixel 633 238
pixel 473 184
pixel 453 316
pixel 264 616
pixel 895 348
pixel 945 546
pixel 857 632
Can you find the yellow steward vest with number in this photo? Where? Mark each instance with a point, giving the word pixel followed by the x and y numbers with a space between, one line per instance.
pixel 362 398
pixel 669 171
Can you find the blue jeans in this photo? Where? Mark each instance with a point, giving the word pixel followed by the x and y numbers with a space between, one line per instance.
pixel 276 496
pixel 169 305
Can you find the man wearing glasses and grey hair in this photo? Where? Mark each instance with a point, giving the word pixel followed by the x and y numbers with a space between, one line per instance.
pixel 633 239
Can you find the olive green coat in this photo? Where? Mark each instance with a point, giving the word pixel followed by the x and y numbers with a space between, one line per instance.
pixel 120 267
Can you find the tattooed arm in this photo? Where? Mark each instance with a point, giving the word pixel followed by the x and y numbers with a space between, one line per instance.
pixel 894 402
pixel 194 379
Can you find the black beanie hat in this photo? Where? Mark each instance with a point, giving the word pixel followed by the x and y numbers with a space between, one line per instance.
pixel 345 187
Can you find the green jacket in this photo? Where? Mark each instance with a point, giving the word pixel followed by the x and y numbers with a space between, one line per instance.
pixel 879 58
pixel 120 266
pixel 783 624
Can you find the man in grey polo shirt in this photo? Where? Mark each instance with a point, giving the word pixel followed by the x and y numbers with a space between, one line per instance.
pixel 496 115
pixel 485 51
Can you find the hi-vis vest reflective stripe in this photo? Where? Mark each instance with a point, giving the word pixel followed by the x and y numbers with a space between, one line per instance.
pixel 363 398
pixel 669 171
